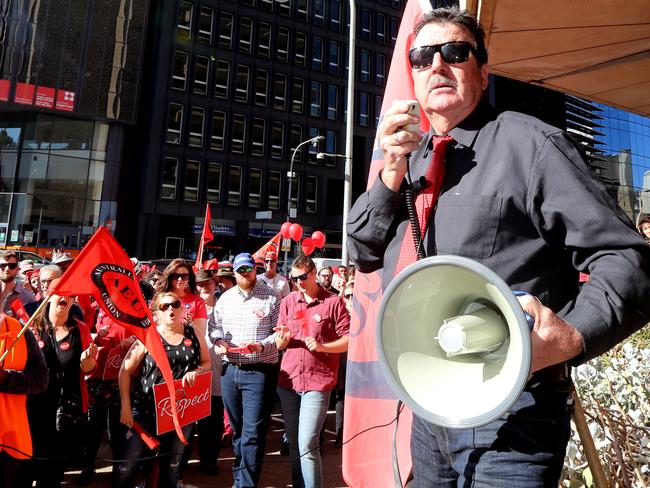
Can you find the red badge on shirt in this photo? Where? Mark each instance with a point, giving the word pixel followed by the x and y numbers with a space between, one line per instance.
pixel 187 342
pixel 259 313
pixel 317 318
pixel 64 346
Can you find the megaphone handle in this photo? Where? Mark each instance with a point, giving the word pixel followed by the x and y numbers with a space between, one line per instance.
pixel 529 318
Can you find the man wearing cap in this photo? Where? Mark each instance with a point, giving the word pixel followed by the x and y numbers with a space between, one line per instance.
pixel 242 333
pixel 10 289
pixel 272 278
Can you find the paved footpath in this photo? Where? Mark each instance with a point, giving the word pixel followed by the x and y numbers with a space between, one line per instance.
pixel 275 474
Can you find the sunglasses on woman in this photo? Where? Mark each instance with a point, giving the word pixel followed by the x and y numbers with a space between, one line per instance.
pixel 179 276
pixel 163 307
pixel 451 52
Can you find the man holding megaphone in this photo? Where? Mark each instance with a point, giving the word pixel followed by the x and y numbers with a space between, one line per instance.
pixel 515 195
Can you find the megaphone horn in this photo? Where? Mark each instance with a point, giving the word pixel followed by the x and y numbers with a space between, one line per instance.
pixel 453 341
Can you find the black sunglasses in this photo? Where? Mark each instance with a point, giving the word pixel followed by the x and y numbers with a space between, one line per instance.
pixel 451 52
pixel 269 260
pixel 163 307
pixel 301 277
pixel 245 269
pixel 11 266
pixel 349 295
pixel 182 276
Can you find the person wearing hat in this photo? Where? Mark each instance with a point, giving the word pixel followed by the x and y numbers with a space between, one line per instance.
pixel 63 260
pixel 272 278
pixel 242 333
pixel 226 277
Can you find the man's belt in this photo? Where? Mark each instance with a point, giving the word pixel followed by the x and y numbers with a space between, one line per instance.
pixel 251 366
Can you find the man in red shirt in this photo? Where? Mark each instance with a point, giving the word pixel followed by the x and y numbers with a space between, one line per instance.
pixel 313 329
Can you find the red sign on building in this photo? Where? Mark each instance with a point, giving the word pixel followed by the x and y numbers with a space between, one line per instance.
pixel 192 403
pixel 45 97
pixel 24 93
pixel 4 90
pixel 65 100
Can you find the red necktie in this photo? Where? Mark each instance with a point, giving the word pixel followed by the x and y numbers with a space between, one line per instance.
pixel 425 201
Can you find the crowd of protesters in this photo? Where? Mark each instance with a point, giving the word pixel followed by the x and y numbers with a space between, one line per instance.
pixel 243 323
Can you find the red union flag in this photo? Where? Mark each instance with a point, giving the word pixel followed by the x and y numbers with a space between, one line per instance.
pixel 45 97
pixel 65 100
pixel 272 246
pixel 24 93
pixel 192 403
pixel 4 90
pixel 370 404
pixel 102 269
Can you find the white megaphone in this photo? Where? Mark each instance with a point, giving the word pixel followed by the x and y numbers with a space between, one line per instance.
pixel 453 341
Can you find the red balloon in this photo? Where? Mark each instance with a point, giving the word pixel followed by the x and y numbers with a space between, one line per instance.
pixel 308 245
pixel 295 231
pixel 284 230
pixel 319 239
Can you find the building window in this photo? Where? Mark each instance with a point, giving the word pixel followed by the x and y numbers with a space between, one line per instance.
pixel 311 194
pixel 317 54
pixel 225 30
pixel 335 15
pixel 378 101
pixel 184 26
pixel 334 51
pixel 301 49
pixel 192 170
pixel 313 148
pixel 277 140
pixel 280 96
pixel 315 99
pixel 331 146
pixel 296 138
pixel 365 23
pixel 238 133
pixel 364 66
pixel 259 128
pixel 380 69
pixel 332 102
pixel 298 96
pixel 275 189
pixel 169 179
pixel 264 44
pixel 179 75
pixel 241 83
pixel 174 123
pixel 222 79
pixel 206 16
pixel 234 186
pixel 255 187
pixel 201 70
pixel 364 108
pixel 245 35
pixel 218 130
pixel 319 13
pixel 197 123
pixel 261 87
pixel 380 28
pixel 284 8
pixel 267 5
pixel 282 44
pixel 295 191
pixel 302 12
pixel 249 3
pixel 213 192
pixel 394 29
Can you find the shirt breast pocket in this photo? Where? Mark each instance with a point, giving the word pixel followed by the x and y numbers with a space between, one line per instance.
pixel 467 225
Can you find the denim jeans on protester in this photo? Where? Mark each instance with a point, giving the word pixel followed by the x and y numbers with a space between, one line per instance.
pixel 304 414
pixel 248 394
pixel 523 449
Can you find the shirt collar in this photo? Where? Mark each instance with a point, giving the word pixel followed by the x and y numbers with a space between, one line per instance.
pixel 467 131
pixel 322 294
pixel 253 292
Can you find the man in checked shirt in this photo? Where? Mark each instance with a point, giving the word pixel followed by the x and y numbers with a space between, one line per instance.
pixel 242 332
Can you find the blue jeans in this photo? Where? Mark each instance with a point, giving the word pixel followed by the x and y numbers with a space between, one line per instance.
pixel 304 414
pixel 248 394
pixel 523 449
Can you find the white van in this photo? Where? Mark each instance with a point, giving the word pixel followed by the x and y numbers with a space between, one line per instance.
pixel 323 262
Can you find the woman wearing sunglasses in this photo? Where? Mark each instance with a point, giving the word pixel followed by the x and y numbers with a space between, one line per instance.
pixel 181 280
pixel 188 357
pixel 58 416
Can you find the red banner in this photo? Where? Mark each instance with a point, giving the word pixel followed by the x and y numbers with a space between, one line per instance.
pixel 65 100
pixel 114 358
pixel 4 90
pixel 45 97
pixel 24 93
pixel 192 403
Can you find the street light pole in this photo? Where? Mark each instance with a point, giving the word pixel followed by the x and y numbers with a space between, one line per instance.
pixel 313 140
pixel 347 184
